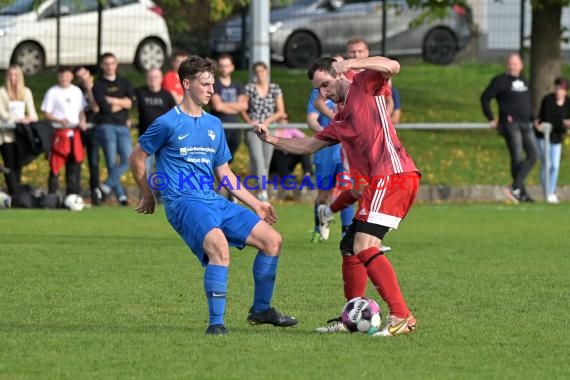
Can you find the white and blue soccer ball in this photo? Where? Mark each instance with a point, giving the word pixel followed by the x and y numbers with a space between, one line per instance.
pixel 361 314
pixel 74 202
pixel 5 200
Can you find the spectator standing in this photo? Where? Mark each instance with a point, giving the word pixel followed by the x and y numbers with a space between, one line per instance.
pixel 514 123
pixel 152 102
pixel 16 106
pixel 64 106
pixel 85 82
pixel 265 105
pixel 554 109
pixel 229 100
pixel 171 81
pixel 113 95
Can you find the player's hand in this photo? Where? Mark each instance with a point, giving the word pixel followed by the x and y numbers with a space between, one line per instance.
pixel 266 212
pixel 493 124
pixel 146 205
pixel 342 66
pixel 262 131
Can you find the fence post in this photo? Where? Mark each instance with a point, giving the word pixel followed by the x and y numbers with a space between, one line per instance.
pixel 547 128
pixel 521 30
pixel 384 18
pixel 99 30
pixel 58 33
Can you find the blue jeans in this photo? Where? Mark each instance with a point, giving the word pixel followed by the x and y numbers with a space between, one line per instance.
pixel 115 140
pixel 554 165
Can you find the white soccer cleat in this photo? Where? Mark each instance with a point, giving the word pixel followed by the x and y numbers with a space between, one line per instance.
pixel 325 219
pixel 397 326
pixel 335 327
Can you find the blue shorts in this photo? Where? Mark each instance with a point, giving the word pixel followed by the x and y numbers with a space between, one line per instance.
pixel 193 218
pixel 326 175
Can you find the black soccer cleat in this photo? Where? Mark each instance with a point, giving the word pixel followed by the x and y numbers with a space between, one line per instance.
pixel 217 330
pixel 272 317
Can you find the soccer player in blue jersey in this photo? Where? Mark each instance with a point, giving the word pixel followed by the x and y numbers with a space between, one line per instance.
pixel 328 165
pixel 191 149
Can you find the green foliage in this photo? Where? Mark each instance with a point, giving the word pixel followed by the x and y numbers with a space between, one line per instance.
pixel 111 294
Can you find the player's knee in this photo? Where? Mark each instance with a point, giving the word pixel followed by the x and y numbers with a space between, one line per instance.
pixel 219 258
pixel 272 244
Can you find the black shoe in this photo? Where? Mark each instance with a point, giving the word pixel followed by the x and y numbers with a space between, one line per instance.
pixel 97 196
pixel 217 330
pixel 272 317
pixel 526 198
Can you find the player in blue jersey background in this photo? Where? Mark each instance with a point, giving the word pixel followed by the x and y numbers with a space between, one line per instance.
pixel 190 148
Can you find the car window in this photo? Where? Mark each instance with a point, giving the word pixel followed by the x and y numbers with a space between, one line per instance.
pixel 17 7
pixel 71 7
pixel 120 3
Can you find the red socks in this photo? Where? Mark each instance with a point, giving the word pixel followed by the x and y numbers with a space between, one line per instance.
pixel 344 200
pixel 383 277
pixel 354 276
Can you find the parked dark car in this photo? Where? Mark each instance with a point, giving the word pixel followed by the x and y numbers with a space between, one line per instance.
pixel 306 29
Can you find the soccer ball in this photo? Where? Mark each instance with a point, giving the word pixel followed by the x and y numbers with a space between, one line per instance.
pixel 5 200
pixel 361 314
pixel 74 202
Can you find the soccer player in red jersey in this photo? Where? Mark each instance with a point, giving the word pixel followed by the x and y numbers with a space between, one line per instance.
pixel 375 153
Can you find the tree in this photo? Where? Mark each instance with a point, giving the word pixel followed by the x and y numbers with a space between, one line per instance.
pixel 545 40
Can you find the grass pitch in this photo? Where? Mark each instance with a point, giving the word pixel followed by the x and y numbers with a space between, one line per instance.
pixel 108 293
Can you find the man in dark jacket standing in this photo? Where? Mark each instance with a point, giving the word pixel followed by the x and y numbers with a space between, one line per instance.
pixel 514 123
pixel 114 96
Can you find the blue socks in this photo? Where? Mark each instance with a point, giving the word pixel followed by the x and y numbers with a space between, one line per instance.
pixel 216 285
pixel 264 271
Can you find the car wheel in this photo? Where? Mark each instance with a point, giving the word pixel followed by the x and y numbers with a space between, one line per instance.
pixel 440 47
pixel 301 49
pixel 150 54
pixel 30 57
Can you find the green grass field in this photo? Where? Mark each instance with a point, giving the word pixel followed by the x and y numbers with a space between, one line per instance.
pixel 107 293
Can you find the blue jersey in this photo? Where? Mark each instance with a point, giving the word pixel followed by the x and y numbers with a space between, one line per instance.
pixel 331 154
pixel 187 150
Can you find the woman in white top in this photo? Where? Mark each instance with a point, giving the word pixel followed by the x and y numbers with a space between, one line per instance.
pixel 16 106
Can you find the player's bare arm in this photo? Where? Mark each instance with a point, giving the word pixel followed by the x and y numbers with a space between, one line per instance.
pixel 138 168
pixel 313 122
pixel 388 67
pixel 263 209
pixel 304 145
pixel 321 106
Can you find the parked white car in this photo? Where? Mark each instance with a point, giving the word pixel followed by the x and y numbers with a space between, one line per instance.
pixel 133 30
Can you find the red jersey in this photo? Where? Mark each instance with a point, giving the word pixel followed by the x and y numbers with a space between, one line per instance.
pixel 364 129
pixel 171 82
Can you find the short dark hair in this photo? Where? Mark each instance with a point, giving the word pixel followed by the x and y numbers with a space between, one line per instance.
pixel 323 64
pixel 76 69
pixel 179 53
pixel 226 56
pixel 63 69
pixel 108 55
pixel 562 82
pixel 194 65
pixel 259 64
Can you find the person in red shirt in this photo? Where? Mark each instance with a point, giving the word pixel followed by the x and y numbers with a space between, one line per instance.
pixel 171 81
pixel 377 160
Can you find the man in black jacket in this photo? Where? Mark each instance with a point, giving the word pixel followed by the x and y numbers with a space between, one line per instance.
pixel 114 96
pixel 514 123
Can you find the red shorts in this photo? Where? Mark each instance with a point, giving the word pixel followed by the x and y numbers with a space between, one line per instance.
pixel 387 200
